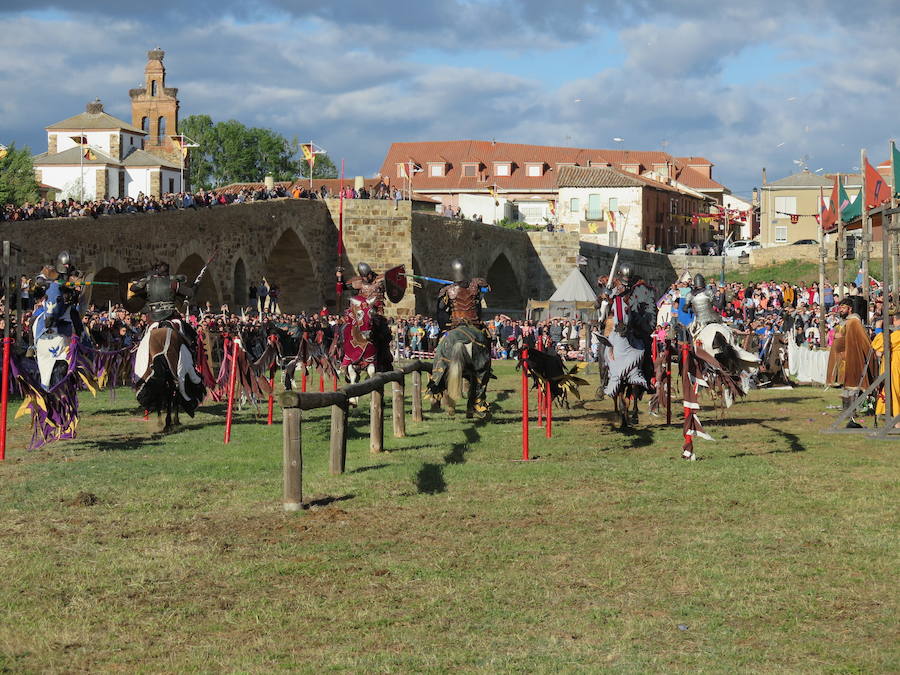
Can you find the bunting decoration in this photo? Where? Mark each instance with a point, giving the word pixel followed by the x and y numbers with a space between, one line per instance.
pixel 796 218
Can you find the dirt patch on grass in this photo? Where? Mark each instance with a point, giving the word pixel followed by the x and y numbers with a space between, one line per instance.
pixel 83 499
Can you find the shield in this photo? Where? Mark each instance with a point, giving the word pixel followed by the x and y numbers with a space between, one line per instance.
pixel 395 283
pixel 134 302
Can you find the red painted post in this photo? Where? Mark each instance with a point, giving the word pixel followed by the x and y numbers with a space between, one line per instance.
pixel 540 406
pixel 525 404
pixel 548 401
pixel 684 364
pixel 322 382
pixel 668 350
pixel 232 377
pixel 271 394
pixel 303 380
pixel 7 345
pixel 334 382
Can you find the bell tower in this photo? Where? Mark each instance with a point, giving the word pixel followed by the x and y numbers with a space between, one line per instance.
pixel 154 109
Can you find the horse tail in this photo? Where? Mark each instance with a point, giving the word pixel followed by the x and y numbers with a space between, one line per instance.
pixel 455 371
pixel 156 389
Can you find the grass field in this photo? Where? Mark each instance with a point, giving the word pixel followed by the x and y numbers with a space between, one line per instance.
pixel 125 551
pixel 800 272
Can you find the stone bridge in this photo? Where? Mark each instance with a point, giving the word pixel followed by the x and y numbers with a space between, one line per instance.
pixel 293 243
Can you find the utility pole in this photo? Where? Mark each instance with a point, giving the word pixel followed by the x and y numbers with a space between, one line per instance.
pixel 885 233
pixel 866 225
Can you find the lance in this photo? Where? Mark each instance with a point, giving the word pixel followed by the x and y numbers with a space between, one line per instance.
pixel 604 306
pixel 199 278
pixel 75 284
pixel 444 282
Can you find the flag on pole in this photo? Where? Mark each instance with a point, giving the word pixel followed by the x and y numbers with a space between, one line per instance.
pixel 877 190
pixel 492 190
pixel 181 145
pixel 895 168
pixel 552 205
pixel 611 217
pixel 89 154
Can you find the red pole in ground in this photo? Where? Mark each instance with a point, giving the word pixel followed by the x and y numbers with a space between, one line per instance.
pixel 540 405
pixel 684 361
pixel 548 400
pixel 668 349
pixel 525 404
pixel 303 380
pixel 7 342
pixel 271 394
pixel 334 382
pixel 322 382
pixel 231 380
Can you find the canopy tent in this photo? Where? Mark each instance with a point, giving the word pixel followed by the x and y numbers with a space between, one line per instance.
pixel 574 299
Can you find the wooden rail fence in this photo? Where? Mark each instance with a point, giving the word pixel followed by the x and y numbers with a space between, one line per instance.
pixel 293 403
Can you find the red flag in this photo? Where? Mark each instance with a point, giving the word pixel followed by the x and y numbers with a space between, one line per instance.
pixel 877 189
pixel 829 214
pixel 795 219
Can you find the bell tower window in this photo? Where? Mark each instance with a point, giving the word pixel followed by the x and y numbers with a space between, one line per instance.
pixel 153 87
pixel 161 126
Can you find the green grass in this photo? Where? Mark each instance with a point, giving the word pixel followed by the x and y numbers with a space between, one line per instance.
pixel 801 272
pixel 778 551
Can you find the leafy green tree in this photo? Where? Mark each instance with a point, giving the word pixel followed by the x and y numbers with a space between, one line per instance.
pixel 17 183
pixel 231 152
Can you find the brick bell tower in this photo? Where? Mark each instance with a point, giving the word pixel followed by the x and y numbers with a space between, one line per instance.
pixel 154 108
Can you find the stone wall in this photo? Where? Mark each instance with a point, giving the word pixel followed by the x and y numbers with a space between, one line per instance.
pixel 774 255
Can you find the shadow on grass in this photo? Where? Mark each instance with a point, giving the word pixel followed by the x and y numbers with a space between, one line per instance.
pixel 325 500
pixel 793 442
pixel 371 467
pixel 124 443
pixel 430 479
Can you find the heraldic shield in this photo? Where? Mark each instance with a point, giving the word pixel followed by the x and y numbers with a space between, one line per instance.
pixel 395 283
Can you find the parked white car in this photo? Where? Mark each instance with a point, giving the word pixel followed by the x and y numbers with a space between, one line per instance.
pixel 681 249
pixel 738 248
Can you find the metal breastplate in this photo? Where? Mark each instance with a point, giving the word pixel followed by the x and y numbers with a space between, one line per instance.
pixel 703 309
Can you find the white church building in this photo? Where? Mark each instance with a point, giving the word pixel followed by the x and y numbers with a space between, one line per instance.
pixel 94 155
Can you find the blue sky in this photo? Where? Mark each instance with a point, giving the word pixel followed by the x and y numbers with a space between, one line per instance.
pixel 748 85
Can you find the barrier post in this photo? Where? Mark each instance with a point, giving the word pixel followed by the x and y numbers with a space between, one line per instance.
pixel 293 461
pixel 398 407
pixel 322 382
pixel 376 420
pixel 684 365
pixel 417 396
pixel 4 397
pixel 525 456
pixel 334 382
pixel 540 405
pixel 303 380
pixel 271 394
pixel 338 461
pixel 548 401
pixel 668 350
pixel 229 415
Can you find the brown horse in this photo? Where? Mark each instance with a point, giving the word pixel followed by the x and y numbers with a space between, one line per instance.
pixel 168 380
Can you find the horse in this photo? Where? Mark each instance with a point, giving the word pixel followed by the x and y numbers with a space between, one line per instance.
pixel 463 353
pixel 298 351
pixel 167 379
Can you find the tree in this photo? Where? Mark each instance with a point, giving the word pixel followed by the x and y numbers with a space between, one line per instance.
pixel 231 152
pixel 17 182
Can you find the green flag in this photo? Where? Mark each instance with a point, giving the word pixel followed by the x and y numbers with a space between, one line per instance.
pixel 849 212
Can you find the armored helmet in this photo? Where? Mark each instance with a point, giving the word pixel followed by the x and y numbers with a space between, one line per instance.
pixel 458 269
pixel 699 282
pixel 160 269
pixel 64 263
pixel 626 271
pixel 363 269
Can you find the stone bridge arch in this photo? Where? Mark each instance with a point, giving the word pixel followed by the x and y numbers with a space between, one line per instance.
pixel 207 291
pixel 506 289
pixel 289 265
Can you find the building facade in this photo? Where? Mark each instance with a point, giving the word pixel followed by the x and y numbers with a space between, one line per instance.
pixel 94 155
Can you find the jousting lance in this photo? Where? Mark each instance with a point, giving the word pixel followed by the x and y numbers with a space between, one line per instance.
pixel 445 282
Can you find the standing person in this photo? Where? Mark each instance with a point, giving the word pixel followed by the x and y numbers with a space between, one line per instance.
pixel 24 293
pixel 262 296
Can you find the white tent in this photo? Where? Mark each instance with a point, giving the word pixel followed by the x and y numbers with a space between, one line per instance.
pixel 574 299
pixel 574 289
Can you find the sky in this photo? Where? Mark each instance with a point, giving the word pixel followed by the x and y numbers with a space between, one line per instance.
pixel 750 84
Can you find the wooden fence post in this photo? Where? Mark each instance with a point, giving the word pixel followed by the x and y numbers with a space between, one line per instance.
pixel 293 460
pixel 376 420
pixel 398 407
pixel 338 439
pixel 417 396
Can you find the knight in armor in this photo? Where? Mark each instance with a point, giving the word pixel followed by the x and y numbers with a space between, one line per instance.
pixel 367 302
pixel 57 319
pixel 163 293
pixel 631 304
pixel 464 350
pixel 712 334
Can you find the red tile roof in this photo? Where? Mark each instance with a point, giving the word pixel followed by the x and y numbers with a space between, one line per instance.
pixel 487 153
